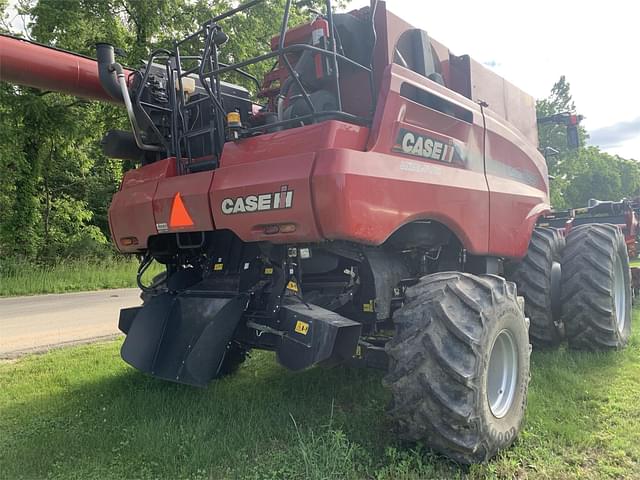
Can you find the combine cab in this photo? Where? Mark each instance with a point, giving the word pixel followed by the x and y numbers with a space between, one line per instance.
pixel 371 200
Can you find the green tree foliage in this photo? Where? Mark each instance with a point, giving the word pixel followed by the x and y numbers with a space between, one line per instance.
pixel 55 183
pixel 585 173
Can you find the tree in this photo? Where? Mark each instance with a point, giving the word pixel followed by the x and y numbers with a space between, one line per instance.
pixel 586 172
pixel 592 177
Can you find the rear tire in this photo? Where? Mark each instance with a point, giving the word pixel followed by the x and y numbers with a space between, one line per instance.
pixel 596 288
pixel 450 376
pixel 537 276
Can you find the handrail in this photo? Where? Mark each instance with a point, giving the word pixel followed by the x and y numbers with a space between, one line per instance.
pixel 209 70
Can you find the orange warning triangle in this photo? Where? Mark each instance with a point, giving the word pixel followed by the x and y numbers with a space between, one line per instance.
pixel 179 215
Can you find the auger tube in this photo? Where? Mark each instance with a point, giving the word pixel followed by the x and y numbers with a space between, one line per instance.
pixel 31 64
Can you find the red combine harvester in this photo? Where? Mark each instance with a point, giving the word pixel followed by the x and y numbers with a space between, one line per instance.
pixel 371 200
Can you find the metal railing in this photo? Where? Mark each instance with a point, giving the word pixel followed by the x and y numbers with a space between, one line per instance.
pixel 209 69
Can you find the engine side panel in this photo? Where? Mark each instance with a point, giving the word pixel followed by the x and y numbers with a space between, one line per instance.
pixel 518 181
pixel 365 197
pixel 423 163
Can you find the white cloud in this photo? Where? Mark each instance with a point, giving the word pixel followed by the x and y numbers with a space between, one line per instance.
pixel 532 44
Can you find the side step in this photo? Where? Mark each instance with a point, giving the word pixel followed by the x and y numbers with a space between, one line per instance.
pixel 181 338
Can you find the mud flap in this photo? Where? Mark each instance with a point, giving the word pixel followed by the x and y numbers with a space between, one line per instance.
pixel 315 336
pixel 181 338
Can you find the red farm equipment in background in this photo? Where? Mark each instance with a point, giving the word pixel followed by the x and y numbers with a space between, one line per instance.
pixel 623 214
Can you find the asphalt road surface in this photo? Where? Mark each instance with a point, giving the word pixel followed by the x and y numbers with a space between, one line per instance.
pixel 41 322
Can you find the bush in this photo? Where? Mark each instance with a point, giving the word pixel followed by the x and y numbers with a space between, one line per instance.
pixel 19 276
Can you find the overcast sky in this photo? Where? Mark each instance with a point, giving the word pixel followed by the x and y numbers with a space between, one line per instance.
pixel 531 43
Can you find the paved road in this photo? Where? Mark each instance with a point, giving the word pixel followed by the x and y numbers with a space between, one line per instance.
pixel 37 323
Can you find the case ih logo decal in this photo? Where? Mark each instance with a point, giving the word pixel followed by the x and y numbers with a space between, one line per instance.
pixel 258 203
pixel 411 143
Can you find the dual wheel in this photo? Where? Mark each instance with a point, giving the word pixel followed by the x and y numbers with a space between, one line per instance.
pixel 580 291
pixel 459 361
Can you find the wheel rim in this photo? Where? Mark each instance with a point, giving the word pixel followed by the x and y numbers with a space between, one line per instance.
pixel 619 293
pixel 502 375
pixel 556 303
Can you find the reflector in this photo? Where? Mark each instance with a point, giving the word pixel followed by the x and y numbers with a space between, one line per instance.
pixel 179 215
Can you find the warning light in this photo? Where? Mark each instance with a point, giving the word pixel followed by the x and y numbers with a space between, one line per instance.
pixel 179 215
pixel 129 241
pixel 233 120
pixel 271 229
pixel 287 227
pixel 279 228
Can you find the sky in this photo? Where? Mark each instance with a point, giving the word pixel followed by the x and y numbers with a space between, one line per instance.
pixel 594 44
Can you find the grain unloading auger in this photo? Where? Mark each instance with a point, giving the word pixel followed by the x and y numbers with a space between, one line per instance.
pixel 363 202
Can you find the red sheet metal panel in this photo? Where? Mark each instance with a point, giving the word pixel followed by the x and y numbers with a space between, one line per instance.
pixel 131 210
pixel 365 197
pixel 247 198
pixel 307 139
pixel 193 197
pixel 131 216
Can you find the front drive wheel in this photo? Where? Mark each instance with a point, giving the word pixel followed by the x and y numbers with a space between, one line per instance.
pixel 596 288
pixel 459 365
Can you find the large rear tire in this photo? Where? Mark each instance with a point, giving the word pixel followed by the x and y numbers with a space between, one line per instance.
pixel 537 276
pixel 459 365
pixel 596 288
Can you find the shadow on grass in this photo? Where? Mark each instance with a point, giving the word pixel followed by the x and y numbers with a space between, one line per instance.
pixel 96 418
pixel 127 424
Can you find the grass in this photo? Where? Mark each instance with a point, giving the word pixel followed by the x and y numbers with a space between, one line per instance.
pixel 82 413
pixel 69 276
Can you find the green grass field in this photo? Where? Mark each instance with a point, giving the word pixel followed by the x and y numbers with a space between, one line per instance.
pixel 82 413
pixel 69 276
